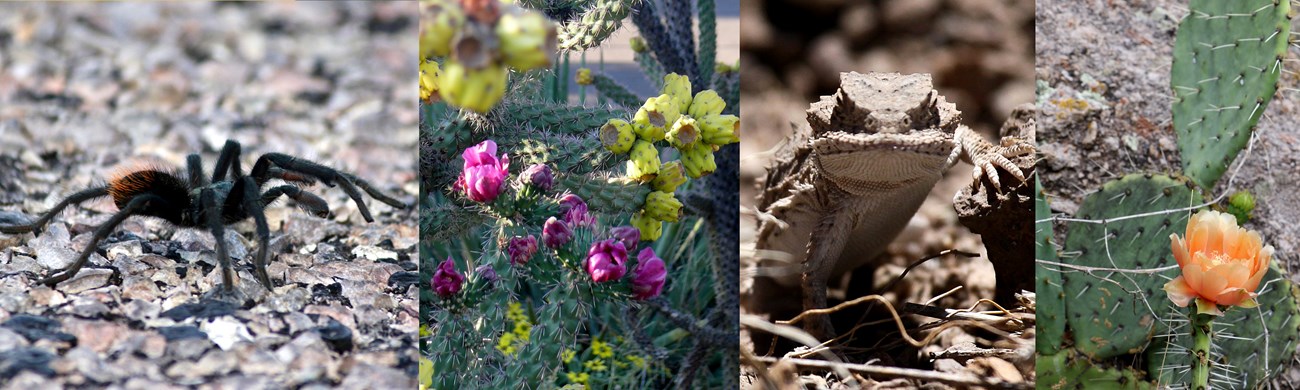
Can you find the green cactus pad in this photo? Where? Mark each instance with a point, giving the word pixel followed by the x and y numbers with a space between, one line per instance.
pixel 1249 345
pixel 1110 312
pixel 1066 371
pixel 554 118
pixel 601 20
pixel 1050 310
pixel 1227 58
pixel 607 194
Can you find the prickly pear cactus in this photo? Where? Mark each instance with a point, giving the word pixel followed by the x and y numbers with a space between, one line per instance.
pixel 1227 59
pixel 1110 312
pixel 1050 310
pixel 1249 345
pixel 1067 371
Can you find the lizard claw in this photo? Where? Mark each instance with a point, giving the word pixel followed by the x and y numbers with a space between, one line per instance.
pixel 987 157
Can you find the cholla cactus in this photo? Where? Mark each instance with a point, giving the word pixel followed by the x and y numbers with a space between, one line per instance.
pixel 615 231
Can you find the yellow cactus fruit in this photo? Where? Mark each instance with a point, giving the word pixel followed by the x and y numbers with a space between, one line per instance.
pixel 440 21
pixel 706 103
pixel 528 39
pixel 638 44
pixel 650 228
pixel 698 161
pixel 428 80
pixel 644 162
pixel 679 87
pixel 617 136
pixel 683 133
pixel 670 176
pixel 663 206
pixel 720 129
pixel 654 116
pixel 584 77
pixel 473 89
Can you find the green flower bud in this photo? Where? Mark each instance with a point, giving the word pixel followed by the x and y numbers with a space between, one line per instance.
pixel 663 206
pixel 473 89
pixel 679 88
pixel 684 132
pixel 617 136
pixel 638 44
pixel 650 228
pixel 720 129
pixel 706 103
pixel 528 39
pixel 644 162
pixel 670 176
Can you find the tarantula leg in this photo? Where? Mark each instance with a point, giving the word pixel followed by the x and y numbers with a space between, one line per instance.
pixel 291 176
pixel 253 206
pixel 212 215
pixel 194 167
pixel 308 201
pixel 226 162
pixel 134 206
pixel 39 224
pixel 375 193
pixel 326 175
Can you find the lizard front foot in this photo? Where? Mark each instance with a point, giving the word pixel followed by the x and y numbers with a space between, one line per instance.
pixel 987 157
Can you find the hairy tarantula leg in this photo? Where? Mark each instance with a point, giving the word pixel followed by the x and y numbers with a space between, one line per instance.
pixel 291 176
pixel 308 201
pixel 212 215
pixel 227 161
pixel 194 166
pixel 328 176
pixel 76 198
pixel 253 206
pixel 134 206
pixel 375 193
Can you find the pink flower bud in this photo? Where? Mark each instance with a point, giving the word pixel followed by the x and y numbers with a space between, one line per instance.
pixel 556 233
pixel 648 278
pixel 446 281
pixel 628 235
pixel 521 249
pixel 539 176
pixel 606 261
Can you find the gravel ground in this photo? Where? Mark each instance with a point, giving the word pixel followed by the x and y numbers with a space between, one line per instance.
pixel 86 87
pixel 981 55
pixel 1116 57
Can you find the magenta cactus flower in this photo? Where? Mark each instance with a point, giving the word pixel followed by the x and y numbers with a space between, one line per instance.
pixel 556 233
pixel 578 216
pixel 648 278
pixel 446 281
pixel 628 235
pixel 606 261
pixel 487 273
pixel 520 249
pixel 569 201
pixel 484 174
pixel 539 176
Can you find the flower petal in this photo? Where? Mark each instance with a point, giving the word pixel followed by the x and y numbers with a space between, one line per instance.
pixel 1233 296
pixel 1207 307
pixel 1179 248
pixel 1213 281
pixel 1180 292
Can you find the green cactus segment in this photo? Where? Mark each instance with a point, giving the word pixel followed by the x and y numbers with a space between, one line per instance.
pixel 599 22
pixel 554 118
pixel 708 42
pixel 616 92
pixel 558 321
pixel 574 155
pixel 1110 312
pixel 610 195
pixel 1050 312
pixel 653 70
pixel 1227 59
pixel 1250 345
pixel 1065 371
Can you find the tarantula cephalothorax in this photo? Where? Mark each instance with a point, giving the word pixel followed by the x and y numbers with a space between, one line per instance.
pixel 194 200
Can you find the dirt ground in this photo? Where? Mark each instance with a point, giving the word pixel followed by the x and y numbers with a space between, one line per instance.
pixel 1116 57
pixel 86 87
pixel 981 56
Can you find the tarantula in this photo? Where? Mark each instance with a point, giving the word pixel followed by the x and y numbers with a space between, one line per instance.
pixel 194 200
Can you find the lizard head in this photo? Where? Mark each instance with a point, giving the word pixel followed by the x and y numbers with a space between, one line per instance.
pixel 883 103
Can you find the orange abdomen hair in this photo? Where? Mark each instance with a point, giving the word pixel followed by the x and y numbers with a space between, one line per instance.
pixel 130 181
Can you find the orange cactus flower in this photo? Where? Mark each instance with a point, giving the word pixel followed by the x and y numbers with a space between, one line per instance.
pixel 1222 263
